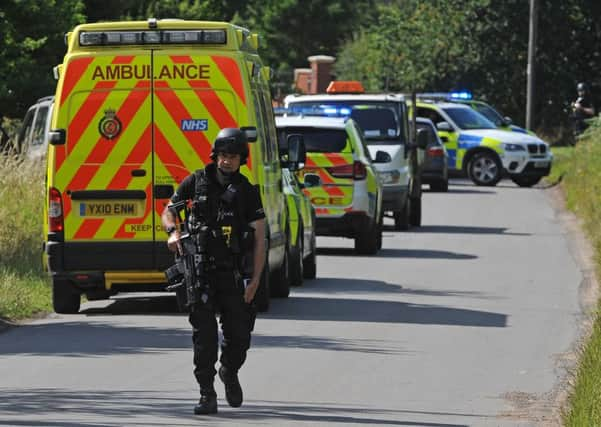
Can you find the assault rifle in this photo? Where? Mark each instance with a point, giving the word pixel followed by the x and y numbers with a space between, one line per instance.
pixel 188 277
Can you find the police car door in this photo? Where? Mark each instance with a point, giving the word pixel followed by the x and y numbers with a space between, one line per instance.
pixel 105 168
pixel 195 95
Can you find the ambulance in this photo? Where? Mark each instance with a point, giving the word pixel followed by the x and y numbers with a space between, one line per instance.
pixel 137 107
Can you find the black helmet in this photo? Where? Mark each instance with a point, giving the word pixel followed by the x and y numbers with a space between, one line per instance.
pixel 582 87
pixel 233 141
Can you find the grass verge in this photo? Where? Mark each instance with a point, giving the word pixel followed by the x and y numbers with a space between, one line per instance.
pixel 581 171
pixel 24 287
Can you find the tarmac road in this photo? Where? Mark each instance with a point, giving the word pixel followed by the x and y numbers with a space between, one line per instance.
pixel 470 320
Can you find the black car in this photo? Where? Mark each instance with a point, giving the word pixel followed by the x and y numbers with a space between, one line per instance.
pixel 435 166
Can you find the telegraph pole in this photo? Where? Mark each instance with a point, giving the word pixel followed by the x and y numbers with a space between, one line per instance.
pixel 531 63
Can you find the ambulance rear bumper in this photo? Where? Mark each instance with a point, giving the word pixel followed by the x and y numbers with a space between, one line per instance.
pixel 64 257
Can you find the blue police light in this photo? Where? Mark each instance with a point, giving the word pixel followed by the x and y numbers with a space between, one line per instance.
pixel 330 110
pixel 461 95
pixel 345 111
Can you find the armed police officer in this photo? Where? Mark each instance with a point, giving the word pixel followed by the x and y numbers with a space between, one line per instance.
pixel 229 211
pixel 582 108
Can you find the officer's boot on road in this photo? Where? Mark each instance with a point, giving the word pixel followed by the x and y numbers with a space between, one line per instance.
pixel 207 403
pixel 233 391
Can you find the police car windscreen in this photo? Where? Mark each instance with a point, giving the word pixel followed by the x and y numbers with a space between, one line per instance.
pixel 317 140
pixel 490 113
pixel 466 118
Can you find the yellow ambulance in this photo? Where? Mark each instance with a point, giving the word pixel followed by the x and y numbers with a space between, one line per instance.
pixel 137 107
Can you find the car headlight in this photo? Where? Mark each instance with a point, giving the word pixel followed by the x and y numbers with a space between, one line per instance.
pixel 390 177
pixel 513 147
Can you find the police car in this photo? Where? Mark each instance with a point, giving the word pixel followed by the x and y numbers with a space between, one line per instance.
pixel 485 153
pixel 383 119
pixel 348 201
pixel 487 110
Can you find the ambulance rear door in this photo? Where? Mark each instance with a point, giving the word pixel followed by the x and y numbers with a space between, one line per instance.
pixel 195 95
pixel 104 170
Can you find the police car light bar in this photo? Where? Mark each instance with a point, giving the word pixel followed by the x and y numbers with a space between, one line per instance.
pixel 464 95
pixel 112 38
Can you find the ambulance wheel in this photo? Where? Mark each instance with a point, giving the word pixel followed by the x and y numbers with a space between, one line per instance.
pixel 279 281
pixel 310 263
pixel 441 186
pixel 485 169
pixel 526 181
pixel 295 261
pixel 262 295
pixel 380 230
pixel 65 299
pixel 401 218
pixel 415 217
pixel 366 241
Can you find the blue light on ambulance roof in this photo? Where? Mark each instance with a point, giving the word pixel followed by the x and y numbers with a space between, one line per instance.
pixel 461 95
pixel 330 110
pixel 345 111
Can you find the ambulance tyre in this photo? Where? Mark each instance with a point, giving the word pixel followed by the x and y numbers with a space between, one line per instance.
pixel 366 241
pixel 65 299
pixel 310 263
pixel 380 230
pixel 279 281
pixel 401 218
pixel 295 260
pixel 526 181
pixel 262 295
pixel 415 217
pixel 485 169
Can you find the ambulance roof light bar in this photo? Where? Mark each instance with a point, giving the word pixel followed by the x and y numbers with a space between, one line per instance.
pixel 117 38
pixel 342 86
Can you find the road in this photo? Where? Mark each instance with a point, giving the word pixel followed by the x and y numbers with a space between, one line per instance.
pixel 468 321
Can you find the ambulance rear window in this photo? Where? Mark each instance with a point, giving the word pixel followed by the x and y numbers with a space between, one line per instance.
pixel 317 140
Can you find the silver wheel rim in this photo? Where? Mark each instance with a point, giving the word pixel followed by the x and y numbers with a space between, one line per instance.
pixel 485 169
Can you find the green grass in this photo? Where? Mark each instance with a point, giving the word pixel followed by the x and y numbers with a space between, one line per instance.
pixel 581 170
pixel 24 287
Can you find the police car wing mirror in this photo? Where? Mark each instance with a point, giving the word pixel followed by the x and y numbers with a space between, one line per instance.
pixel 382 157
pixel 296 149
pixel 507 121
pixel 311 180
pixel 422 138
pixel 57 137
pixel 250 132
pixel 444 127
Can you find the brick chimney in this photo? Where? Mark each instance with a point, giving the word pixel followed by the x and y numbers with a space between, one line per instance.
pixel 321 73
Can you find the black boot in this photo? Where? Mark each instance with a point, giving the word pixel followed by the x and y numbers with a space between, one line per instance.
pixel 233 391
pixel 207 403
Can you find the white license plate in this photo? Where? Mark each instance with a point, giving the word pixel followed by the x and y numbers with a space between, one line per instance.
pixel 541 164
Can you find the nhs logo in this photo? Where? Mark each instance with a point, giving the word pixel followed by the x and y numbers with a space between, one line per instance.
pixel 194 125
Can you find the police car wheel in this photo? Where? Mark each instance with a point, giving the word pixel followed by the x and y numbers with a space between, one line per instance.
pixel 279 280
pixel 310 263
pixel 65 298
pixel 401 218
pixel 262 295
pixel 366 241
pixel 415 217
pixel 484 169
pixel 526 181
pixel 295 260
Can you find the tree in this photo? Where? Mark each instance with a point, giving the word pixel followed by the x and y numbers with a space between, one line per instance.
pixel 31 43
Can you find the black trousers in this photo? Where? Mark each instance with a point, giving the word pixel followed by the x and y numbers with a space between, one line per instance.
pixel 236 318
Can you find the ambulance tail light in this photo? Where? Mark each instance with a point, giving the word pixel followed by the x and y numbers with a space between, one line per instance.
pixel 355 170
pixel 55 211
pixel 435 151
pixel 350 86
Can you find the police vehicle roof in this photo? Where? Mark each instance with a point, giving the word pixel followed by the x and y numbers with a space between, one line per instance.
pixel 311 121
pixel 345 97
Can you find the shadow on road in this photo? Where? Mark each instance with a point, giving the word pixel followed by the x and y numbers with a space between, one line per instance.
pixel 118 407
pixel 397 253
pixel 359 310
pixel 466 229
